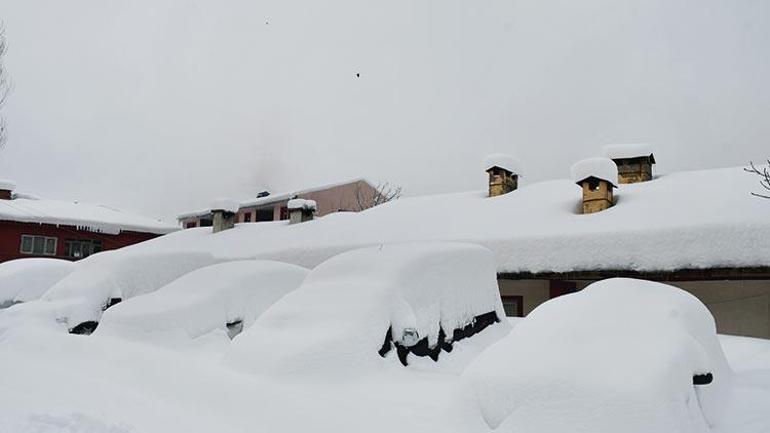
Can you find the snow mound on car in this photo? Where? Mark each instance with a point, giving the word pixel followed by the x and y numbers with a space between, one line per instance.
pixel 338 320
pixel 24 280
pixel 204 300
pixel 620 356
pixel 118 275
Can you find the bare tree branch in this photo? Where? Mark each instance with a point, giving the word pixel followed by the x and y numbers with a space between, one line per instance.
pixel 764 175
pixel 381 194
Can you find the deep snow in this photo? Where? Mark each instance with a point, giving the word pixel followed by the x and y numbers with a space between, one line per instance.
pixel 671 223
pixel 620 355
pixel 56 382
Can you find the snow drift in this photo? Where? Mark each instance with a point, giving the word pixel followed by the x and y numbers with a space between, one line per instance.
pixel 204 300
pixel 24 280
pixel 339 320
pixel 622 355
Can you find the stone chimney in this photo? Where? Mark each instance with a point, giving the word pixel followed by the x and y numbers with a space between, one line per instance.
pixel 6 189
pixel 503 171
pixel 634 161
pixel 301 210
pixel 597 177
pixel 223 214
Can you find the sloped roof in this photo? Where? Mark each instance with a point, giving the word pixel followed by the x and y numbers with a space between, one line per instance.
pixel 686 220
pixel 274 198
pixel 92 217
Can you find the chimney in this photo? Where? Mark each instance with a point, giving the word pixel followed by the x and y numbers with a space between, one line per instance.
pixel 223 212
pixel 301 210
pixel 6 189
pixel 597 177
pixel 634 161
pixel 503 171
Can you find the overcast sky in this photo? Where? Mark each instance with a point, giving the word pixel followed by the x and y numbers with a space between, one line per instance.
pixel 158 106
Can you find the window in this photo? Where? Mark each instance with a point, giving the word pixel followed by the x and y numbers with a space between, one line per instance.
pixel 513 306
pixel 206 222
pixel 247 217
pixel 284 213
pixel 264 214
pixel 38 245
pixel 190 224
pixel 79 249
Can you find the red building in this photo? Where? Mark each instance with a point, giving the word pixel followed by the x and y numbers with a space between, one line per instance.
pixel 32 227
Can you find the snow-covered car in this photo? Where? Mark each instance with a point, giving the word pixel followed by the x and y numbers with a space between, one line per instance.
pixel 226 296
pixel 622 355
pixel 24 280
pixel 76 302
pixel 374 305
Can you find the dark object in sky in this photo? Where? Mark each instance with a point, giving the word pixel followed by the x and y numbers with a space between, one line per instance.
pixel 263 194
pixel 702 379
pixel 358 75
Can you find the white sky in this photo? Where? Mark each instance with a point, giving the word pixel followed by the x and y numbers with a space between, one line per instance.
pixel 158 106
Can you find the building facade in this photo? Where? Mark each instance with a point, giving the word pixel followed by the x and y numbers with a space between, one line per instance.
pixel 33 227
pixel 349 196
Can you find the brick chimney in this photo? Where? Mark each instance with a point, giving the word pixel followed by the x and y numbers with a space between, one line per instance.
pixel 6 189
pixel 223 214
pixel 597 177
pixel 634 161
pixel 503 171
pixel 301 210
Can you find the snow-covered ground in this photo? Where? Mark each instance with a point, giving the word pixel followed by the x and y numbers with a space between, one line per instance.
pixel 622 355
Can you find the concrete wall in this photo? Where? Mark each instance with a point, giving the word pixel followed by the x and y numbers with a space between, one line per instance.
pixel 738 307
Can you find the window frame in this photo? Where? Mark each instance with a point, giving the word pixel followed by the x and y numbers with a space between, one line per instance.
pixel 86 247
pixel 44 251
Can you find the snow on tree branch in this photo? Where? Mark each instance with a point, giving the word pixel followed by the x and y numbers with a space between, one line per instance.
pixel 764 175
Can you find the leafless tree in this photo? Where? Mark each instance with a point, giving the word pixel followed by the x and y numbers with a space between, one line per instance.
pixel 764 175
pixel 5 84
pixel 382 193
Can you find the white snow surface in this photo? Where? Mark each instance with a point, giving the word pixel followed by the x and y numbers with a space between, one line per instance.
pixel 628 150
pixel 599 167
pixel 203 300
pixel 56 382
pixel 7 184
pixel 96 218
pixel 300 203
pixel 619 355
pixel 225 204
pixel 336 322
pixel 23 280
pixel 503 161
pixel 672 222
pixel 81 295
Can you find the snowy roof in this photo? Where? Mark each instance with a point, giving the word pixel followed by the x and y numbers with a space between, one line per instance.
pixel 7 184
pixel 96 218
pixel 274 198
pixel 504 161
pixel 536 228
pixel 629 150
pixel 600 168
